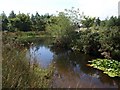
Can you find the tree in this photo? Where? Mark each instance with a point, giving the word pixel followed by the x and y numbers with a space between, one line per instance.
pixel 118 21
pixel 62 28
pixel 33 22
pixel 74 16
pixel 58 25
pixel 97 22
pixel 22 22
pixel 112 22
pixel 12 19
pixel 39 22
pixel 12 15
pixel 88 22
pixel 4 21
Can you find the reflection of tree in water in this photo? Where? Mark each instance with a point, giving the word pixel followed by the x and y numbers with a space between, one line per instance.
pixel 62 62
pixel 72 59
pixel 68 61
pixel 36 43
pixel 58 51
pixel 74 62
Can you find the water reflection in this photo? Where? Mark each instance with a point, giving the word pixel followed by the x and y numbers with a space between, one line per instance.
pixel 71 71
pixel 70 68
pixel 42 54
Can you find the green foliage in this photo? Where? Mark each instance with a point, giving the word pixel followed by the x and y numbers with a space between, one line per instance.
pixel 103 39
pixel 87 41
pixel 20 22
pixel 109 23
pixel 4 21
pixel 12 15
pixel 18 72
pixel 112 22
pixel 62 28
pixel 97 22
pixel 96 36
pixel 109 40
pixel 74 16
pixel 58 25
pixel 23 22
pixel 39 22
pixel 110 67
pixel 88 22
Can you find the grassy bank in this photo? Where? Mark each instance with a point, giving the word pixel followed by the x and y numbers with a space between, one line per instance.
pixel 18 72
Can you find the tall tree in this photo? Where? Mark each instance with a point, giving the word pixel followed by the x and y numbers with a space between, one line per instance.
pixel 111 22
pixel 4 21
pixel 97 22
pixel 74 16
pixel 12 19
pixel 59 25
pixel 23 22
pixel 12 15
pixel 88 21
pixel 39 22
pixel 118 21
pixel 33 22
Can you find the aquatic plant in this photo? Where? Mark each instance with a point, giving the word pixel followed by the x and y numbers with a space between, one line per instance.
pixel 110 67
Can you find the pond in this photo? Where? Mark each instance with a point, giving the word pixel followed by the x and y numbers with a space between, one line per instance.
pixel 42 54
pixel 71 70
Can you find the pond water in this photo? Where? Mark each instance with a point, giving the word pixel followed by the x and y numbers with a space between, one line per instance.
pixel 71 70
pixel 42 54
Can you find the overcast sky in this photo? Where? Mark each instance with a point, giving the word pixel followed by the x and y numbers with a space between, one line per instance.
pixel 97 8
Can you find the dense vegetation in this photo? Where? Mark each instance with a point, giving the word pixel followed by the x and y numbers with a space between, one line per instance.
pixel 18 71
pixel 70 29
pixel 110 67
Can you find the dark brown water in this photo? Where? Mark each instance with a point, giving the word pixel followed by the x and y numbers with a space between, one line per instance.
pixel 71 70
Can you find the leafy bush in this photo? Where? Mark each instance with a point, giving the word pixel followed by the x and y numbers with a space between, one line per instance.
pixel 87 41
pixel 110 42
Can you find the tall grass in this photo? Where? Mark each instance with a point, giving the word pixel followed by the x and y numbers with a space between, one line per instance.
pixel 0 57
pixel 18 72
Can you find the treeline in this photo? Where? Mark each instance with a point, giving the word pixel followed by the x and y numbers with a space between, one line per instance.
pixel 72 30
pixel 37 22
pixel 24 22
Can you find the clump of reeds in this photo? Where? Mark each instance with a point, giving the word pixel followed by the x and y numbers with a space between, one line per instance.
pixel 18 72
